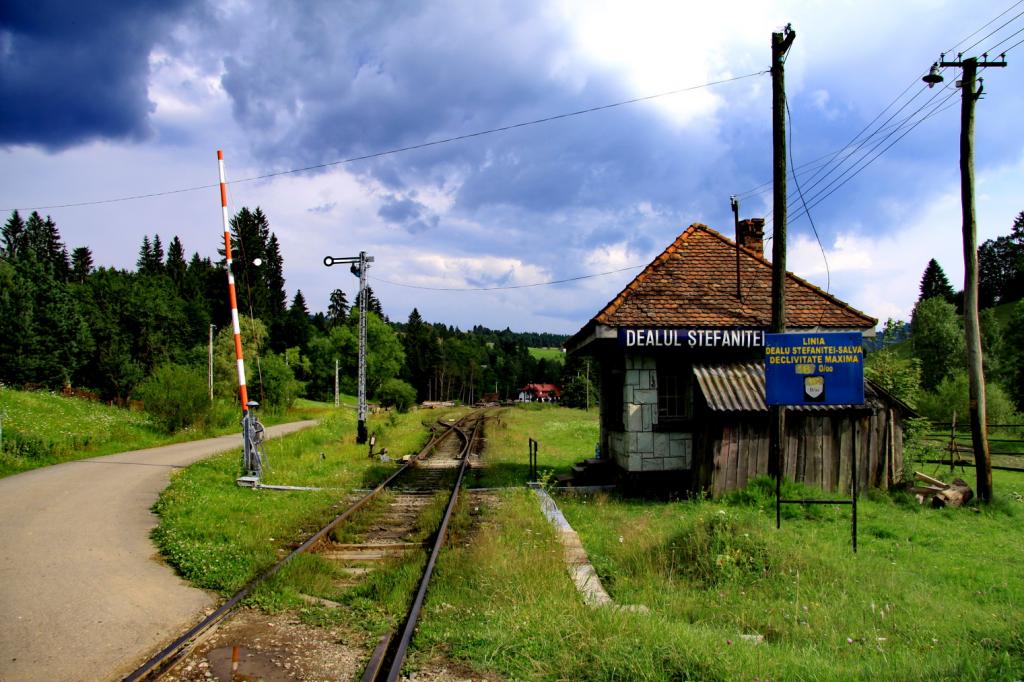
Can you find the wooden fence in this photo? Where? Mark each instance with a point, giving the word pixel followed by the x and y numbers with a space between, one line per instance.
pixel 950 444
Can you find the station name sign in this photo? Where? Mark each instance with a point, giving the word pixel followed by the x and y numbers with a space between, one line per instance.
pixel 815 368
pixel 691 338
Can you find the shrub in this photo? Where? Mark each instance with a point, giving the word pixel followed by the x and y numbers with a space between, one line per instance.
pixel 396 393
pixel 280 387
pixel 951 395
pixel 175 396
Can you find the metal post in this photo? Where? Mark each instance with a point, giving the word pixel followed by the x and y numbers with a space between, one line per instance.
pixel 361 430
pixel 337 396
pixel 735 204
pixel 359 265
pixel 243 394
pixel 853 485
pixel 209 372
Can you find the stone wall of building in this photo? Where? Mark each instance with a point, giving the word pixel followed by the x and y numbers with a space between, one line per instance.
pixel 640 447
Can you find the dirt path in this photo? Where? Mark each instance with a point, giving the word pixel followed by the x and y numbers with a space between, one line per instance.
pixel 83 595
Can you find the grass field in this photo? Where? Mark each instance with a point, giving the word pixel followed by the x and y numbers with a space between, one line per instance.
pixel 565 437
pixel 219 536
pixel 40 428
pixel 931 594
pixel 549 354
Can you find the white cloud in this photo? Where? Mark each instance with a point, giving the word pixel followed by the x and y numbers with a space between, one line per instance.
pixel 880 273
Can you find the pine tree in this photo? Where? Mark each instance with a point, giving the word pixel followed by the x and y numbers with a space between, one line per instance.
pixel 935 283
pixel 337 311
pixel 176 265
pixel 157 265
pixel 14 236
pixel 36 236
pixel 56 254
pixel 299 329
pixel 81 264
pixel 145 255
pixel 277 297
pixel 372 302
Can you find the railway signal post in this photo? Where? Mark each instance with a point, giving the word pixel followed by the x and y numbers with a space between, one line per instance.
pixel 359 265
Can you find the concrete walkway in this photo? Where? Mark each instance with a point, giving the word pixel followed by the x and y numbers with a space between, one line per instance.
pixel 83 595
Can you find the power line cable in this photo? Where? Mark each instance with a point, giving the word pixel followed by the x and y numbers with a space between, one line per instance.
pixel 1007 50
pixel 996 46
pixel 913 82
pixel 987 24
pixel 817 237
pixel 399 150
pixel 509 286
pixel 907 124
pixel 823 194
pixel 989 35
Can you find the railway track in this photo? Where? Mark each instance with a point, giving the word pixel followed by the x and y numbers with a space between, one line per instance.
pixel 394 531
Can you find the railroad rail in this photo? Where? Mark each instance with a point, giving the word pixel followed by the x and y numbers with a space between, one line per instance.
pixel 386 661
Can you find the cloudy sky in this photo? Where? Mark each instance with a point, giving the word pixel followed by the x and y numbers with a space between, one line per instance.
pixel 108 100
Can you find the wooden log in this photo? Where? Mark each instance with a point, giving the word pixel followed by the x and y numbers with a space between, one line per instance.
pixel 928 490
pixel 932 481
pixel 957 494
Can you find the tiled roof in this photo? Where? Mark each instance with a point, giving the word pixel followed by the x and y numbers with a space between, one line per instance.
pixel 693 284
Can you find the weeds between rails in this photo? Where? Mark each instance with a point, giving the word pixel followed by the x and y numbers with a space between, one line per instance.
pixel 164 660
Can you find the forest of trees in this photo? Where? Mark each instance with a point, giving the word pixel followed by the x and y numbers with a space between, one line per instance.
pixel 64 321
pixel 143 333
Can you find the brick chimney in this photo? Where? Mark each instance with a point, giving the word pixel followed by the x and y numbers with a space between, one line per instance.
pixel 750 234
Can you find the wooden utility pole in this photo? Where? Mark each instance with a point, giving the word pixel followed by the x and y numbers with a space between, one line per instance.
pixel 781 43
pixel 972 327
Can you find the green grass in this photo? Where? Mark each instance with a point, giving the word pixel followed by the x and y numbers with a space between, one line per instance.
pixel 931 594
pixel 566 436
pixel 219 536
pixel 42 428
pixel 548 354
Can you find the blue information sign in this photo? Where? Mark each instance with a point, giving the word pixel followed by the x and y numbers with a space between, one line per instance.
pixel 814 369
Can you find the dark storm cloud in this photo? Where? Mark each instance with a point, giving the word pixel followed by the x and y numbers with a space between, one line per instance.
pixel 321 83
pixel 73 71
pixel 408 213
pixel 400 209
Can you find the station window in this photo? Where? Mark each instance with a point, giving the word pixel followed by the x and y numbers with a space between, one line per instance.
pixel 675 394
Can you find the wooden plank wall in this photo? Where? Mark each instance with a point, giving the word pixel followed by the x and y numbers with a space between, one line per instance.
pixel 818 450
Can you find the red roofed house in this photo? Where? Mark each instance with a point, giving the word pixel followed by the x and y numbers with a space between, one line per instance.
pixel 546 393
pixel 682 387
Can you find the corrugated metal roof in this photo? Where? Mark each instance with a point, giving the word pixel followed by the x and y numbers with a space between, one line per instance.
pixel 733 387
pixel 739 387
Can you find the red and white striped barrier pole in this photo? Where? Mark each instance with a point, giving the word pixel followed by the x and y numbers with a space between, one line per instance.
pixel 231 284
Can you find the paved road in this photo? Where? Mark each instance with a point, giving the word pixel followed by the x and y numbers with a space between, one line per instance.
pixel 83 595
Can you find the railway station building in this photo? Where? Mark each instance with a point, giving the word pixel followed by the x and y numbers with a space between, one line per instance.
pixel 681 351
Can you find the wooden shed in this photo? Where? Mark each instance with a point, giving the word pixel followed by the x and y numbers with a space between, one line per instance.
pixel 681 351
